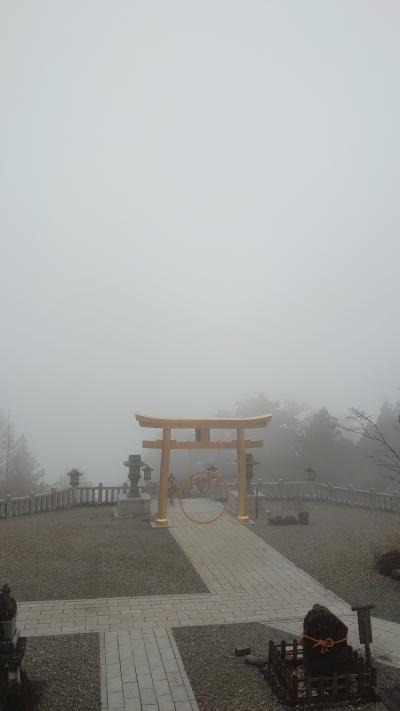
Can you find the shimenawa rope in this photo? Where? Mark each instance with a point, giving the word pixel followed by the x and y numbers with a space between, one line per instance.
pixel 325 644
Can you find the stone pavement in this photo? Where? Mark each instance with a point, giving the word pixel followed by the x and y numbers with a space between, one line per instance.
pixel 248 581
pixel 144 672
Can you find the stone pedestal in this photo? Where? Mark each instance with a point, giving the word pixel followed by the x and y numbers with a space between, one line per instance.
pixel 251 502
pixel 128 507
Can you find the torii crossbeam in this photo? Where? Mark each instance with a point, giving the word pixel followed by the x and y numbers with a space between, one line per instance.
pixel 202 427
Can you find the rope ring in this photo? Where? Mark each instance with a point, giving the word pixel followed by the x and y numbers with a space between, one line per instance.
pixel 215 518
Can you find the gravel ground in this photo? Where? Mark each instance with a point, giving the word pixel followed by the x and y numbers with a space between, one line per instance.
pixel 337 548
pixel 87 553
pixel 223 682
pixel 68 669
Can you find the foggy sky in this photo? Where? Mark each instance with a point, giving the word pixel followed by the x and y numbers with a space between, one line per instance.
pixel 198 203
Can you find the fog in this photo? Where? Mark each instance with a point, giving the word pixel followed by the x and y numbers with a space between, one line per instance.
pixel 199 202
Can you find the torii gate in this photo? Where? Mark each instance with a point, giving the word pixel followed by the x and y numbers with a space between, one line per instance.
pixel 202 440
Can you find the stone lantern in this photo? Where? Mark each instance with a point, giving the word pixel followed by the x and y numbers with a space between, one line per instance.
pixel 12 646
pixel 133 503
pixel 147 472
pixel 311 474
pixel 147 477
pixel 74 476
pixel 250 464
pixel 134 465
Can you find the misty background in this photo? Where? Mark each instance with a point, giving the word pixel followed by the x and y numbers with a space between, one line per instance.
pixel 198 204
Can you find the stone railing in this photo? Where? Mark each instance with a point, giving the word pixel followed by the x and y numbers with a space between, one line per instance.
pixel 60 498
pixel 56 499
pixel 315 491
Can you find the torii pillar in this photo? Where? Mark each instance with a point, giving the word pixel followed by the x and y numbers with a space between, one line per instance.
pixel 162 517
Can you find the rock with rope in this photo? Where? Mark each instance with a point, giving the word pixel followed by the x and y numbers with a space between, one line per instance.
pixel 324 639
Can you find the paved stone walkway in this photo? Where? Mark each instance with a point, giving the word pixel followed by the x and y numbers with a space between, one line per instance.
pixel 248 581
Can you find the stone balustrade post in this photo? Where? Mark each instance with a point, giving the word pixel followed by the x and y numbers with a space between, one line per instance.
pixel 350 489
pixel 31 502
pixel 330 492
pixel 53 498
pixel 281 488
pixel 8 506
pixel 125 487
pixel 100 496
pixel 372 498
pixel 396 500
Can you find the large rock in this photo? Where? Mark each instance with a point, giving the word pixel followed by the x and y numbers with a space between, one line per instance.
pixel 324 659
pixel 388 562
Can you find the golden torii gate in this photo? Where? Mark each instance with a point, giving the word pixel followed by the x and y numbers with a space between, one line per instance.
pixel 202 440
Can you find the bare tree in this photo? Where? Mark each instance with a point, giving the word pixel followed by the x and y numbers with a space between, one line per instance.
pixel 387 455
